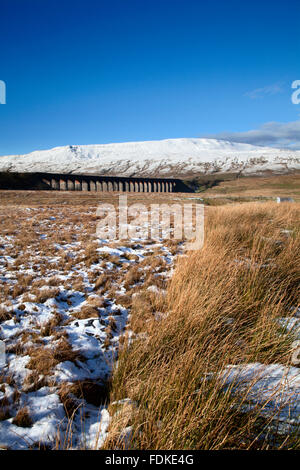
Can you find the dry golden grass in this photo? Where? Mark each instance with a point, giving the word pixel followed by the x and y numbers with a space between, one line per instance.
pixel 34 382
pixel 88 311
pixel 133 275
pixel 101 281
pixel 124 300
pixel 223 302
pixel 188 332
pixel 94 392
pixel 71 405
pixel 5 315
pixel 22 418
pixel 144 305
pixel 50 328
pixel 44 294
pixel 4 413
pixel 43 360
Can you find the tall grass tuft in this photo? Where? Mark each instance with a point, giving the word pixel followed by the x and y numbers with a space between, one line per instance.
pixel 222 305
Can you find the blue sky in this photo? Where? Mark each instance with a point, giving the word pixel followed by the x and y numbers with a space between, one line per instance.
pixel 87 72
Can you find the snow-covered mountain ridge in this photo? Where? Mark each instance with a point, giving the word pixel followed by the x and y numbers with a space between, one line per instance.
pixel 171 157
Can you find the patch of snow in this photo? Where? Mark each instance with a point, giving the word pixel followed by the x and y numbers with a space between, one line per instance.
pixel 275 388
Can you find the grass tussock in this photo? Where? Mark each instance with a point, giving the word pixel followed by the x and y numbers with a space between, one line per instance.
pixel 22 418
pixel 87 311
pixel 5 315
pixel 223 303
pixel 91 391
pixel 43 360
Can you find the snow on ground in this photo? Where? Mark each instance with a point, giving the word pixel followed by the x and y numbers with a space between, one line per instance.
pixel 62 313
pixel 168 157
pixel 291 324
pixel 271 389
pixel 275 388
pixel 64 305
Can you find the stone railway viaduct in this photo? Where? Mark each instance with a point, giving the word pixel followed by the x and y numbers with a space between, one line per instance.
pixel 71 182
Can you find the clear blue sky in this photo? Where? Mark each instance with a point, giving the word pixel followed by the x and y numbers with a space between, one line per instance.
pixel 87 71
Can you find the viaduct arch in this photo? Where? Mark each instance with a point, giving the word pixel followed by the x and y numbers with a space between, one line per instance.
pixel 94 183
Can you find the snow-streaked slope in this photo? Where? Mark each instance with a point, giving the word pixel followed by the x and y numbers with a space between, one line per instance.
pixel 172 157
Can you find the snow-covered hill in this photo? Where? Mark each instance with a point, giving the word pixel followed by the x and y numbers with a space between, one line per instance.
pixel 172 157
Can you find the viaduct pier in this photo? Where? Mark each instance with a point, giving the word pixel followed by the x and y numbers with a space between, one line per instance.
pixel 71 182
pixel 90 182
